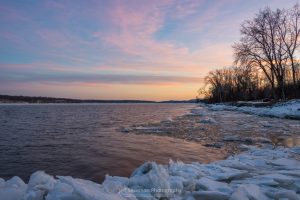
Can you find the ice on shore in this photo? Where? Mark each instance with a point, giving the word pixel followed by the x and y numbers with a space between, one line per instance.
pixel 257 174
pixel 290 109
pixel 208 120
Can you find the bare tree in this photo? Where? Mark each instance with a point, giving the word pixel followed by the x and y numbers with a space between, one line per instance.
pixel 264 58
pixel 289 30
pixel 262 45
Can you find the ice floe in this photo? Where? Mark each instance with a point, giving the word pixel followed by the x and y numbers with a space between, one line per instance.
pixel 208 120
pixel 256 174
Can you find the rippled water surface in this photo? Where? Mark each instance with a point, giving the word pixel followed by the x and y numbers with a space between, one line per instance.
pixel 84 141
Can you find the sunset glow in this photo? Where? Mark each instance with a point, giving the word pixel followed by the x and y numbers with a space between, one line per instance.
pixel 154 50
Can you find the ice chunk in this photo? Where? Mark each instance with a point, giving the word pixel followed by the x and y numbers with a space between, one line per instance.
pixel 287 195
pixel 285 163
pixel 208 120
pixel 176 184
pixel 38 186
pixel 211 185
pixel 185 170
pixel 248 192
pixel 115 184
pixel 152 177
pixel 219 173
pixel 14 189
pixel 62 191
pixel 40 178
pixel 210 195
pixel 88 190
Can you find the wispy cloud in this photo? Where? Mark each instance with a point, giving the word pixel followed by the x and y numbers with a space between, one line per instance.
pixel 59 76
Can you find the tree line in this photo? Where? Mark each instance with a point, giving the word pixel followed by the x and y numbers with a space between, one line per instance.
pixel 266 65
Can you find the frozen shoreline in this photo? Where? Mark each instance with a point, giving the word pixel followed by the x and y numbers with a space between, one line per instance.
pixel 220 126
pixel 255 174
pixel 289 109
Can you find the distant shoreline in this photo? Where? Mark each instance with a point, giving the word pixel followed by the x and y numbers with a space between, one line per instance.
pixel 9 99
pixel 71 103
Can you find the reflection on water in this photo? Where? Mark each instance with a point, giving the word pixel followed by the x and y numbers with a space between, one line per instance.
pixel 83 141
pixel 287 141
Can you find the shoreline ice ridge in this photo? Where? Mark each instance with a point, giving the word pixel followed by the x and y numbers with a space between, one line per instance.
pixel 289 109
pixel 256 174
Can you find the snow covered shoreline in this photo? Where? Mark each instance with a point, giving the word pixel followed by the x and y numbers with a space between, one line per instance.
pixel 256 174
pixel 290 109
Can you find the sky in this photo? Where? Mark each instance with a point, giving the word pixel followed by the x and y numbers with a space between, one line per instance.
pixel 118 49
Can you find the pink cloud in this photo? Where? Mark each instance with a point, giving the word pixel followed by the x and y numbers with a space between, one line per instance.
pixel 188 7
pixel 135 32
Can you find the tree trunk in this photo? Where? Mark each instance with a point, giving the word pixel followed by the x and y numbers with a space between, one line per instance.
pixel 294 78
pixel 273 90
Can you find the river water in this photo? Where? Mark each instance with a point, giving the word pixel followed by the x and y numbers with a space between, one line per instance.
pixel 85 141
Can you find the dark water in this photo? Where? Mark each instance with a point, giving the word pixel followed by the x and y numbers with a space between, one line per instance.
pixel 82 140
